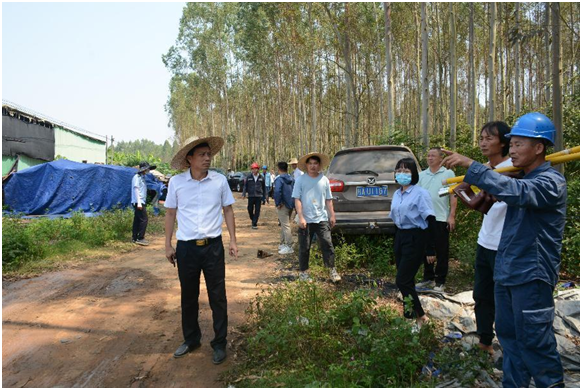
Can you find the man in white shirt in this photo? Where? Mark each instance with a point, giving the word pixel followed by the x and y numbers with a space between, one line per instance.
pixel 198 197
pixel 495 147
pixel 139 192
pixel 296 171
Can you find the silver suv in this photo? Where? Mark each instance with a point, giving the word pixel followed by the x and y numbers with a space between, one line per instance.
pixel 362 184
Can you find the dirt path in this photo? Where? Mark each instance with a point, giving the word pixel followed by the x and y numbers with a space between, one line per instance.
pixel 116 322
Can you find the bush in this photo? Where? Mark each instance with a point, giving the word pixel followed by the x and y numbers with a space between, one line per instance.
pixel 302 334
pixel 571 242
pixel 372 253
pixel 18 244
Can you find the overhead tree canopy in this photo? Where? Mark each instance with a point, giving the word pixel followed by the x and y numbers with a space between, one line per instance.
pixel 280 79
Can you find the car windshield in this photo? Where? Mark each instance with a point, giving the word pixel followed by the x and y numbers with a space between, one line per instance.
pixel 379 161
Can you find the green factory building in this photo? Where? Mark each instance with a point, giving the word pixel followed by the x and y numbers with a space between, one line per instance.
pixel 30 138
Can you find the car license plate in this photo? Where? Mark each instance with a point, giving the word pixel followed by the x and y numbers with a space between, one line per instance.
pixel 371 191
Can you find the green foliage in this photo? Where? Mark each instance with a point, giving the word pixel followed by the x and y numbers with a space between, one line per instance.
pixel 33 240
pixel 571 242
pixel 372 254
pixel 304 335
pixel 18 244
pixel 462 365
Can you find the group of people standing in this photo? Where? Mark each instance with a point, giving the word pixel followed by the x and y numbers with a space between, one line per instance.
pixel 307 192
pixel 518 249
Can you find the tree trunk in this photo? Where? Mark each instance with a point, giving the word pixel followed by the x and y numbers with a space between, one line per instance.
pixel 472 111
pixel 389 76
pixel 557 79
pixel 350 88
pixel 424 111
pixel 517 93
pixel 547 66
pixel 453 78
pixel 492 75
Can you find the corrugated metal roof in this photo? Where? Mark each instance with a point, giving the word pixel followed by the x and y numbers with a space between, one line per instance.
pixel 46 118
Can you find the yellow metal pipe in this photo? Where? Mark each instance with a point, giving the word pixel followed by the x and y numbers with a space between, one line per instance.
pixel 575 149
pixel 553 158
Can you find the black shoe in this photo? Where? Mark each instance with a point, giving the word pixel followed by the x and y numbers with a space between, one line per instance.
pixel 219 355
pixel 185 349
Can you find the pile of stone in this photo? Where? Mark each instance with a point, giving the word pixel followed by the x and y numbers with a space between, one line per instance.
pixel 456 313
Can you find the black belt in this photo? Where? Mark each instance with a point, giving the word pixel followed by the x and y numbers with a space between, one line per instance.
pixel 205 241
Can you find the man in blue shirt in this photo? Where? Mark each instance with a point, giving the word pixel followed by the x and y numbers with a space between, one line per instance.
pixel 285 205
pixel 528 257
pixel 313 202
pixel 138 201
pixel 268 184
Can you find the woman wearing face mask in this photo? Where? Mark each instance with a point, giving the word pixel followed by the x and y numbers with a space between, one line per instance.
pixel 411 211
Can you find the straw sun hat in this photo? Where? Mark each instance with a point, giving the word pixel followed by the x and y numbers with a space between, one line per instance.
pixel 302 164
pixel 179 160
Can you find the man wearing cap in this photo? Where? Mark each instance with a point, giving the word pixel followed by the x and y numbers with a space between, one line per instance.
pixel 139 192
pixel 254 188
pixel 313 202
pixel 528 256
pixel 198 198
pixel 268 183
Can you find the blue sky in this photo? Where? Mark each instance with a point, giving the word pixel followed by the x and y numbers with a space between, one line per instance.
pixel 96 66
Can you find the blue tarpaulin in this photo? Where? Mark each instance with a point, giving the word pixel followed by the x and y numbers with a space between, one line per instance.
pixel 62 186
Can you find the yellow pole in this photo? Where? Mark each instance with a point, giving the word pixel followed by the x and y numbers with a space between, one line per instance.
pixel 555 158
pixel 575 149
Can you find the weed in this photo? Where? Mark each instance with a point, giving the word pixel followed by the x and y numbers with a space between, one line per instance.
pixel 304 334
pixel 25 242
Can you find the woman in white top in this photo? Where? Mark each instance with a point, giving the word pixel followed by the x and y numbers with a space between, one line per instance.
pixel 495 147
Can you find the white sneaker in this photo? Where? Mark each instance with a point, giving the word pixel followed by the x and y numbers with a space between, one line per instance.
pixel 439 288
pixel 287 250
pixel 424 286
pixel 281 246
pixel 334 275
pixel 304 277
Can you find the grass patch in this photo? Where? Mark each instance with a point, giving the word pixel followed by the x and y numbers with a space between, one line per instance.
pixel 309 335
pixel 33 246
pixel 313 335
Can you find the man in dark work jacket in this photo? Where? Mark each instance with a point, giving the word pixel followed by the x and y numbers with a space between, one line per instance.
pixel 254 189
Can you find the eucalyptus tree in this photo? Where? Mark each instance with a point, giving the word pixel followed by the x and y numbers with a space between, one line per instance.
pixel 492 73
pixel 424 112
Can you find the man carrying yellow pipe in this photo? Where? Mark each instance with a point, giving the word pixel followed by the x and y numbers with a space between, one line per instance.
pixel 555 158
pixel 528 257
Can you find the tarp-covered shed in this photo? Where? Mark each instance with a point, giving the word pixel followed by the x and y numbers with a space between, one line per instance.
pixel 62 186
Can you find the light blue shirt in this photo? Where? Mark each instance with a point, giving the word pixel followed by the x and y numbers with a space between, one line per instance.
pixel 267 179
pixel 411 208
pixel 432 182
pixel 139 182
pixel 313 192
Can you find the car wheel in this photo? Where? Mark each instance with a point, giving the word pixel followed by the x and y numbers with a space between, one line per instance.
pixel 239 187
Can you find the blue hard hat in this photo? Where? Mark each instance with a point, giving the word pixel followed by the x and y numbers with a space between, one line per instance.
pixel 534 125
pixel 264 167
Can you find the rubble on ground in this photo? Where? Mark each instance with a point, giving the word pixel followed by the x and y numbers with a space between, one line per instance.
pixel 456 313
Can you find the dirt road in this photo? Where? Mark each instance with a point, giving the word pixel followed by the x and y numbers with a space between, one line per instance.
pixel 116 322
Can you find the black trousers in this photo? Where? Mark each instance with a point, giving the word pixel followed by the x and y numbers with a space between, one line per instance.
pixel 484 294
pixel 254 209
pixel 442 255
pixel 192 260
pixel 140 222
pixel 409 251
pixel 305 236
